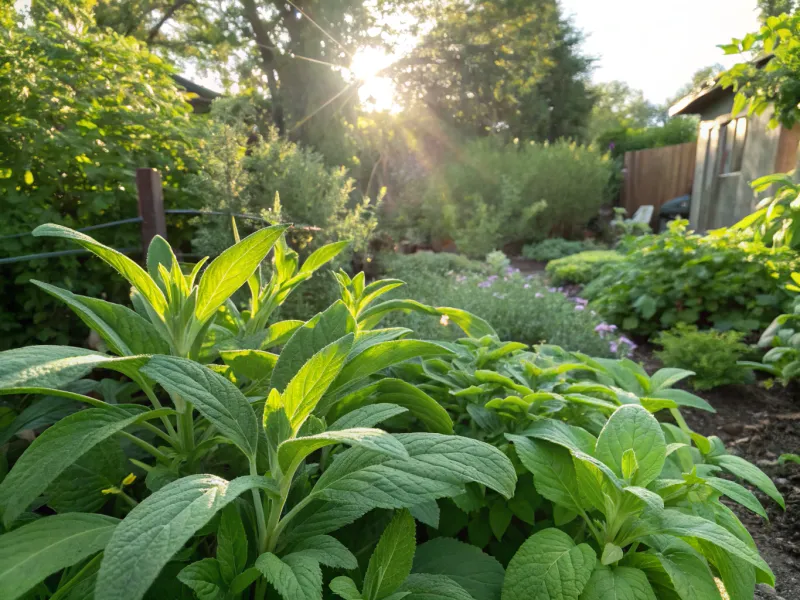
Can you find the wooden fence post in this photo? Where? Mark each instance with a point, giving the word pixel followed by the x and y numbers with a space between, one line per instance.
pixel 151 206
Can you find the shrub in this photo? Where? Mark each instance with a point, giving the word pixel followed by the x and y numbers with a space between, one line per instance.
pixel 782 342
pixel 429 263
pixel 721 280
pixel 266 175
pixel 555 248
pixel 497 262
pixel 519 308
pixel 776 220
pixel 493 195
pixel 712 355
pixel 580 268
pixel 80 110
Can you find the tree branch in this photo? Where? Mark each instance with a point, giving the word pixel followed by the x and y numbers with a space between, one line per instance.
pixel 164 18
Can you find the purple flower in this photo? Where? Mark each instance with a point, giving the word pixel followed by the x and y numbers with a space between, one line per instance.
pixel 529 277
pixel 582 301
pixel 485 284
pixel 604 328
pixel 538 295
pixel 629 342
pixel 526 286
pixel 491 278
pixel 552 290
pixel 580 307
pixel 613 346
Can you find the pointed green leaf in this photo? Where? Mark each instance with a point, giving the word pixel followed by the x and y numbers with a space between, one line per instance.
pixel 471 324
pixel 39 414
pixel 684 398
pixel 367 416
pixel 45 366
pixel 426 512
pixel 384 355
pixel 255 365
pixel 279 333
pixel 231 544
pixel 216 398
pixel 323 255
pixel 401 393
pixel 391 561
pixel 327 551
pixel 737 493
pixel 135 275
pixel 620 583
pixel 34 551
pixel 344 587
pixel 423 586
pixel 549 565
pixel 159 253
pixel 291 452
pixel 632 427
pixel 478 573
pixel 204 578
pixel 231 269
pixel 750 473
pixel 294 577
pixel 56 449
pixel 438 466
pixel 686 569
pixel 314 378
pixel 553 470
pixel 125 332
pixel 159 527
pixel 558 432
pixel 667 377
pixel 319 332
pixel 738 576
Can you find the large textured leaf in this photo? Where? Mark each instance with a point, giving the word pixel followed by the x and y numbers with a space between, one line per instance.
pixel 231 544
pixel 320 517
pixel 279 333
pixel 673 522
pixel 631 427
pixel 135 274
pixel 738 576
pixel 473 325
pixel 255 365
pixel 45 366
pixel 344 587
pixel 313 379
pixel 549 566
pixel 293 451
pixel 553 470
pixel 619 583
pixel 159 526
pixel 324 329
pixel 384 355
pixel 216 398
pixel 56 449
pixel 45 412
pixel 687 570
pixel 750 473
pixel 323 255
pixel 401 393
pixel 558 432
pixel 367 416
pixel 47 545
pixel 125 332
pixel 205 579
pixel 667 377
pixel 231 269
pixel 737 493
pixel 327 551
pixel 391 561
pixel 294 577
pixel 479 574
pixel 683 398
pixel 438 466
pixel 423 586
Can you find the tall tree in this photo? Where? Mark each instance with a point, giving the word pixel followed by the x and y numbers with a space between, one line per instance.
pixel 774 8
pixel 619 107
pixel 490 65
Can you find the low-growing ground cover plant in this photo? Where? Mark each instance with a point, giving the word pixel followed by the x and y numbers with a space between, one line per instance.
pixel 226 473
pixel 712 355
pixel 582 267
pixel 722 280
pixel 554 248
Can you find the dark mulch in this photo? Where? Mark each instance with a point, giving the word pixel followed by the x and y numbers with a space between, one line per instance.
pixel 759 424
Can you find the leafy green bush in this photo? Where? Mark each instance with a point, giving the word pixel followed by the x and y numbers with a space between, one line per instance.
pixel 711 354
pixel 265 175
pixel 582 267
pixel 722 280
pixel 497 262
pixel 678 130
pixel 429 263
pixel 554 248
pixel 493 195
pixel 519 308
pixel 255 469
pixel 776 220
pixel 80 110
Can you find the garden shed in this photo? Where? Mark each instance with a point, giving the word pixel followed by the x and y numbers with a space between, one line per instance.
pixel 732 151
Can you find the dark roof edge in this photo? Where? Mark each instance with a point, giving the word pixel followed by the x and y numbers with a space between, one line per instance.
pixel 194 88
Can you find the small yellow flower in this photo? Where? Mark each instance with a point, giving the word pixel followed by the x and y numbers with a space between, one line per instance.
pixel 129 479
pixel 445 320
pixel 111 490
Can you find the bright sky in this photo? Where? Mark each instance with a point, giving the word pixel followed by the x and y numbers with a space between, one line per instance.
pixel 657 46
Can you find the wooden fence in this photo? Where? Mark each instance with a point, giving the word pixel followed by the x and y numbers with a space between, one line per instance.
pixel 657 175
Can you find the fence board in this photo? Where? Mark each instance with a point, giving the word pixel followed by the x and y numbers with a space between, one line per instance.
pixel 657 175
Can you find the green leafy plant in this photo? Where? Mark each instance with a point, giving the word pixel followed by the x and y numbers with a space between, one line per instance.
pixel 623 227
pixel 712 355
pixel 498 262
pixel 582 267
pixel 776 220
pixel 554 248
pixel 722 280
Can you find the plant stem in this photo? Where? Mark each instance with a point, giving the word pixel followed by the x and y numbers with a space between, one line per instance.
pixel 145 446
pixel 259 506
pixel 155 430
pixel 128 499
pixel 155 402
pixel 186 428
pixel 62 591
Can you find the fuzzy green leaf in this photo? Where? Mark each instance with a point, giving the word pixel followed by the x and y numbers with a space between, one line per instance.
pixel 45 546
pixel 632 427
pixel 344 587
pixel 216 398
pixel 231 269
pixel 423 586
pixel 327 551
pixel 391 561
pixel 620 583
pixel 479 574
pixel 549 566
pixel 58 448
pixel 231 544
pixel 159 527
pixel 750 473
pixel 205 579
pixel 323 255
pixel 294 577
pixel 45 366
pixel 367 416
pixel 553 470
pixel 737 493
pixel 562 434
pixel 294 450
